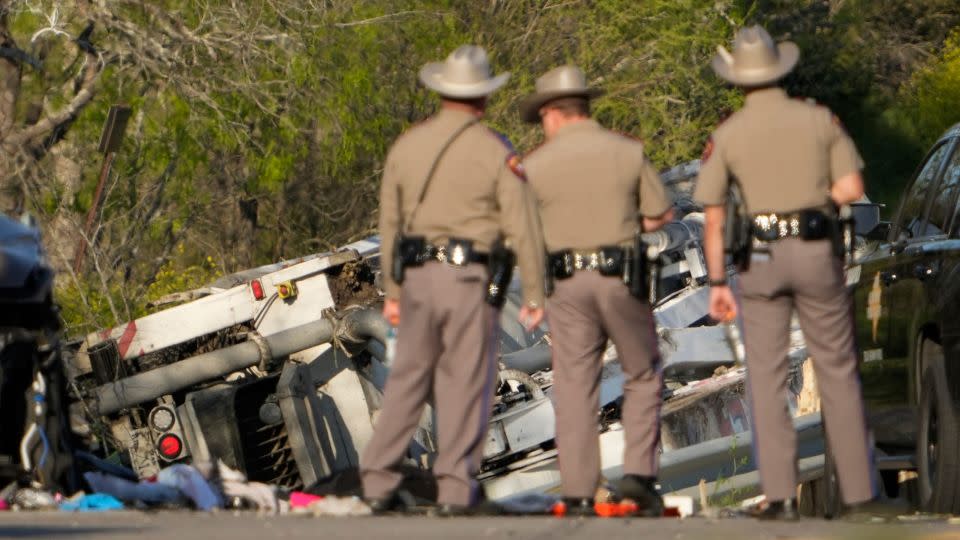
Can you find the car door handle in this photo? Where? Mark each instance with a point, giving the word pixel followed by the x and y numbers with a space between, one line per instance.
pixel 925 271
pixel 888 277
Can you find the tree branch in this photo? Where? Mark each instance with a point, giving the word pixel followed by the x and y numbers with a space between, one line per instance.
pixel 68 112
pixel 373 20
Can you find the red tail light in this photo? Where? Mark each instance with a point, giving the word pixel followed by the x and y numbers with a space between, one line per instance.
pixel 257 289
pixel 170 446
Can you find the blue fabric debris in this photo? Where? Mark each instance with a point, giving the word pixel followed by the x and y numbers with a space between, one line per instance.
pixel 96 502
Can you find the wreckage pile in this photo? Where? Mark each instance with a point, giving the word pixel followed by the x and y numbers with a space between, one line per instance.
pixel 275 375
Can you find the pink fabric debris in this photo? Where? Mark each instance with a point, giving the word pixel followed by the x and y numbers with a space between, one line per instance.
pixel 299 499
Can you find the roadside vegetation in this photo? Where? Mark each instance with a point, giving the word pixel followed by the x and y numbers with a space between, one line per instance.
pixel 259 127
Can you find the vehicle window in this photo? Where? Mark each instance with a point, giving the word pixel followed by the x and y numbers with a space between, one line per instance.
pixel 944 199
pixel 911 213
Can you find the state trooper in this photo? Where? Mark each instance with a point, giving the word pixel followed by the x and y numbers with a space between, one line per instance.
pixel 594 190
pixel 794 165
pixel 453 193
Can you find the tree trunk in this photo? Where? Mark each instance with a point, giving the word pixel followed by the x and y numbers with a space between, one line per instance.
pixel 11 194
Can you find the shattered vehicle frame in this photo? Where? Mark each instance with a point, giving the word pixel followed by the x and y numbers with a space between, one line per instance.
pixel 279 370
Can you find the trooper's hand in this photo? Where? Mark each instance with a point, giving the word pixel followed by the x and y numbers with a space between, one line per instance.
pixel 391 311
pixel 530 317
pixel 723 306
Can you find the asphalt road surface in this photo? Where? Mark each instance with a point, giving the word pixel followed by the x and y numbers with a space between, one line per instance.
pixel 249 526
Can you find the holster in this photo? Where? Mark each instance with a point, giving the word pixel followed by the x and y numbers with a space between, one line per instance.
pixel 613 261
pixel 816 225
pixel 500 266
pixel 737 229
pixel 560 264
pixel 738 240
pixel 548 283
pixel 636 271
pixel 407 251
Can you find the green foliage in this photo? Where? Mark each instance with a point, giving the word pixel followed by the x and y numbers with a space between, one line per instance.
pixel 929 101
pixel 86 307
pixel 172 279
pixel 89 305
pixel 272 149
pixel 721 496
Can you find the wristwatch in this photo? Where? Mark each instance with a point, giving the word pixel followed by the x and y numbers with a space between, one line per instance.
pixel 722 282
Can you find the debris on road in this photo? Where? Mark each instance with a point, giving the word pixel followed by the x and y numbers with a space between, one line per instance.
pixel 339 507
pixel 265 386
pixel 96 502
pixel 277 372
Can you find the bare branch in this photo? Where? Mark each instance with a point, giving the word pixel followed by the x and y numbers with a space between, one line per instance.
pixel 381 18
pixel 68 112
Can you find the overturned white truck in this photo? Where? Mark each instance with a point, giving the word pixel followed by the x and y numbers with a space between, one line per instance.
pixel 278 371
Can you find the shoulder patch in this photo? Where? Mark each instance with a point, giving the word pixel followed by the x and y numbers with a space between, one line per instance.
pixel 515 165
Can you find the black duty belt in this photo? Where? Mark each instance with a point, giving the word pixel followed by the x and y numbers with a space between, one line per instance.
pixel 805 224
pixel 454 253
pixel 609 261
pixel 415 250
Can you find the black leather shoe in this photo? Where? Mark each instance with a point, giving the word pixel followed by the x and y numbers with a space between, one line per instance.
pixel 579 506
pixel 641 490
pixel 785 510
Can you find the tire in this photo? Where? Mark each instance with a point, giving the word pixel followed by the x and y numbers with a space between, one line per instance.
pixel 938 462
pixel 829 501
pixel 821 497
pixel 827 497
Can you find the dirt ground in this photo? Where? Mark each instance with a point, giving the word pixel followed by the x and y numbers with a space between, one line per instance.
pixel 249 526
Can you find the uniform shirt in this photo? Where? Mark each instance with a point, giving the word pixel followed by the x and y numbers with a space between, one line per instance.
pixel 591 185
pixel 475 193
pixel 784 152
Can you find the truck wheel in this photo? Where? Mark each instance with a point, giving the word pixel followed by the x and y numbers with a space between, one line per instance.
pixel 937 445
pixel 820 497
pixel 828 488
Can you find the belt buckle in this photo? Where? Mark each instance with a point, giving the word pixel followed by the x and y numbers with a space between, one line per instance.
pixel 589 261
pixel 768 227
pixel 458 255
pixel 455 255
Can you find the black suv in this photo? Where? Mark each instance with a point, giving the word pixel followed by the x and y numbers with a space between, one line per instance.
pixel 907 293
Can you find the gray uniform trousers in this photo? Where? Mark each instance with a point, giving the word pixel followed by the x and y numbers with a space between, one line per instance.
pixel 583 311
pixel 807 276
pixel 446 348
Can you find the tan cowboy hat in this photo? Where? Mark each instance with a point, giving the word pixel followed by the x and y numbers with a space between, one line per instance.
pixel 559 82
pixel 465 74
pixel 755 60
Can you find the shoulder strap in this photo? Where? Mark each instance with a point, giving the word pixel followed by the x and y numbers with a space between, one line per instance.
pixel 433 169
